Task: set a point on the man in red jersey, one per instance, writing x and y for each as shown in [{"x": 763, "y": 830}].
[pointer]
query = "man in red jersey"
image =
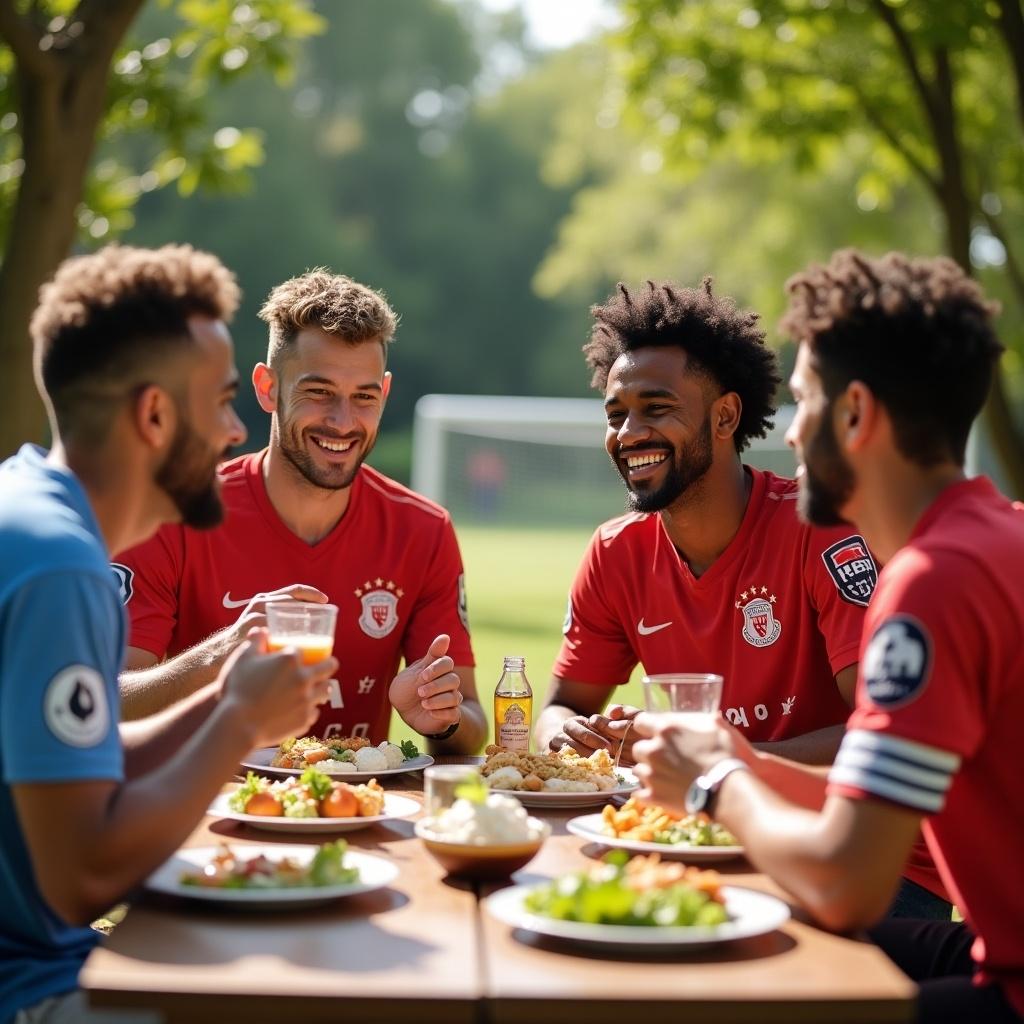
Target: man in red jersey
[
  {"x": 712, "y": 570},
  {"x": 307, "y": 520},
  {"x": 895, "y": 361}
]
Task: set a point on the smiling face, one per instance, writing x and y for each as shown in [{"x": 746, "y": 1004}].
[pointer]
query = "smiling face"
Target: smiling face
[
  {"x": 827, "y": 480},
  {"x": 328, "y": 397},
  {"x": 659, "y": 426}
]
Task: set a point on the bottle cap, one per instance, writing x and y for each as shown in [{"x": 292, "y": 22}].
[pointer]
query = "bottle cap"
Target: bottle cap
[{"x": 514, "y": 663}]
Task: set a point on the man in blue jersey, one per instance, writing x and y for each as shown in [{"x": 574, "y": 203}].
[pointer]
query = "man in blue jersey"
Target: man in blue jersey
[{"x": 135, "y": 364}]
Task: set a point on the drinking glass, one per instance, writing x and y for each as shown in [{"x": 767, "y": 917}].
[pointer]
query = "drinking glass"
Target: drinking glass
[
  {"x": 305, "y": 627},
  {"x": 694, "y": 695},
  {"x": 439, "y": 784}
]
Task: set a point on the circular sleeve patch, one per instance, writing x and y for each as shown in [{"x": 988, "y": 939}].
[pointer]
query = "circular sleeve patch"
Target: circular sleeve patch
[
  {"x": 897, "y": 662},
  {"x": 75, "y": 707},
  {"x": 124, "y": 577}
]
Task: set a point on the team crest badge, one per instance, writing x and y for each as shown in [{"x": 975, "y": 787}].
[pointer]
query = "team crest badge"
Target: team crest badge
[
  {"x": 852, "y": 569},
  {"x": 760, "y": 626},
  {"x": 123, "y": 576},
  {"x": 379, "y": 602},
  {"x": 897, "y": 662}
]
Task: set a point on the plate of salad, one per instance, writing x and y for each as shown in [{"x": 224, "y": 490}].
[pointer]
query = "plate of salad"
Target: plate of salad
[
  {"x": 270, "y": 877},
  {"x": 639, "y": 904},
  {"x": 310, "y": 802}
]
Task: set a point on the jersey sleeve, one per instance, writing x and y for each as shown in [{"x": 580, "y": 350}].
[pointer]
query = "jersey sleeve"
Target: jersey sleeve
[
  {"x": 150, "y": 576},
  {"x": 920, "y": 705},
  {"x": 595, "y": 648},
  {"x": 840, "y": 575},
  {"x": 441, "y": 605},
  {"x": 60, "y": 655}
]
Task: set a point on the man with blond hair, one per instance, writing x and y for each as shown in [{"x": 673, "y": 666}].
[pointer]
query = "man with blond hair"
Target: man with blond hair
[
  {"x": 135, "y": 364},
  {"x": 308, "y": 520}
]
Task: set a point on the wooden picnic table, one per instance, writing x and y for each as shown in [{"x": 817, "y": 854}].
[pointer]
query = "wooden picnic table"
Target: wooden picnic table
[{"x": 426, "y": 950}]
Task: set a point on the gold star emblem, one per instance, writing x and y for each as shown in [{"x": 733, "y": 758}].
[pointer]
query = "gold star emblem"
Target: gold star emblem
[
  {"x": 743, "y": 596},
  {"x": 772, "y": 599},
  {"x": 359, "y": 591},
  {"x": 379, "y": 582},
  {"x": 399, "y": 592},
  {"x": 764, "y": 590},
  {"x": 391, "y": 584},
  {"x": 367, "y": 585},
  {"x": 739, "y": 604}
]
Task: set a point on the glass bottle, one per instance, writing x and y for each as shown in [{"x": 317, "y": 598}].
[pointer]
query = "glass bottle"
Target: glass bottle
[{"x": 513, "y": 707}]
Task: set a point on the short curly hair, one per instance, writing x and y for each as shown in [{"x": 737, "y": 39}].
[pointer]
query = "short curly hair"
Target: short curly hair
[
  {"x": 334, "y": 303},
  {"x": 918, "y": 332},
  {"x": 107, "y": 320},
  {"x": 723, "y": 342}
]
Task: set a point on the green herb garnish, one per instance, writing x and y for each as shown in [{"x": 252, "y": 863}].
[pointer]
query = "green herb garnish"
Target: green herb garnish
[
  {"x": 316, "y": 782},
  {"x": 409, "y": 749}
]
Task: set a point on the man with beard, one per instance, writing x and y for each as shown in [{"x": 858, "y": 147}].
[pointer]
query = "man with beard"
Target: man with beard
[
  {"x": 89, "y": 808},
  {"x": 895, "y": 361},
  {"x": 308, "y": 520}
]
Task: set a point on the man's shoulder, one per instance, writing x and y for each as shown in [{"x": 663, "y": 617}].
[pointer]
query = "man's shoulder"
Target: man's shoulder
[
  {"x": 400, "y": 500},
  {"x": 235, "y": 473},
  {"x": 632, "y": 526}
]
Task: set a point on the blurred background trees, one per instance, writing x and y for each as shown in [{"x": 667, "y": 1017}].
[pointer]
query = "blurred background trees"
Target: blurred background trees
[{"x": 494, "y": 191}]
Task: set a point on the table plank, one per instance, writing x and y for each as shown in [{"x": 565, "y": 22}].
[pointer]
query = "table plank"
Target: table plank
[
  {"x": 411, "y": 949},
  {"x": 799, "y": 973}
]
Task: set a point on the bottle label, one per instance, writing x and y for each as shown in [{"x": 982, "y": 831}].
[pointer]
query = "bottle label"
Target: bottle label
[{"x": 514, "y": 730}]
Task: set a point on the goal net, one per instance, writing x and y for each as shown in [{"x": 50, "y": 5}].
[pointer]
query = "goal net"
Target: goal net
[{"x": 511, "y": 461}]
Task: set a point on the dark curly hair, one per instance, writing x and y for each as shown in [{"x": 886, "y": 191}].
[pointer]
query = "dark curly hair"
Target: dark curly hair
[
  {"x": 107, "y": 320},
  {"x": 723, "y": 342},
  {"x": 918, "y": 332}
]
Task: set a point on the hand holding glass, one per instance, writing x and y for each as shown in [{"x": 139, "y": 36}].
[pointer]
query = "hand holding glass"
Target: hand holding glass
[{"x": 305, "y": 627}]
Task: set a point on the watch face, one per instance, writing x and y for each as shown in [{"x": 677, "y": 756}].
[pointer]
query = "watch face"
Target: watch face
[{"x": 696, "y": 798}]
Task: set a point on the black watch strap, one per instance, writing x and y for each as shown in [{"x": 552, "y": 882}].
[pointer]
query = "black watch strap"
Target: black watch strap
[{"x": 450, "y": 731}]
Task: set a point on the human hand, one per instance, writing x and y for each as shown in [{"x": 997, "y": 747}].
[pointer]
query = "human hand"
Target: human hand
[
  {"x": 275, "y": 695},
  {"x": 254, "y": 615},
  {"x": 670, "y": 754},
  {"x": 587, "y": 733},
  {"x": 426, "y": 692}
]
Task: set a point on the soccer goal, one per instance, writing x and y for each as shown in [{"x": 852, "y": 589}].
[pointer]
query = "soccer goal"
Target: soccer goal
[{"x": 519, "y": 461}]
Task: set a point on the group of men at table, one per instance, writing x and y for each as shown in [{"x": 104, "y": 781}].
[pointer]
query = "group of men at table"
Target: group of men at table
[{"x": 127, "y": 697}]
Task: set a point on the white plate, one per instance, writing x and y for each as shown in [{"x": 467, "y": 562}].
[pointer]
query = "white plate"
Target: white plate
[
  {"x": 590, "y": 827},
  {"x": 259, "y": 762},
  {"x": 550, "y": 799},
  {"x": 394, "y": 807},
  {"x": 374, "y": 873},
  {"x": 751, "y": 913}
]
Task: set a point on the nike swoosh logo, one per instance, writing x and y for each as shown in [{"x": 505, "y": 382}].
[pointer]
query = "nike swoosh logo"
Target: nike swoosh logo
[
  {"x": 228, "y": 603},
  {"x": 648, "y": 630}
]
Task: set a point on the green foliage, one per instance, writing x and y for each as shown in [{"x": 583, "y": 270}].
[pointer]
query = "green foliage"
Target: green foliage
[{"x": 157, "y": 129}]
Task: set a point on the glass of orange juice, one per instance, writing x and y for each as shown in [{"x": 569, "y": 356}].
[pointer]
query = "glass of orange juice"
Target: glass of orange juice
[{"x": 305, "y": 627}]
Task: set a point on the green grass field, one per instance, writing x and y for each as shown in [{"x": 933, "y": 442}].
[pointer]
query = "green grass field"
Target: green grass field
[{"x": 517, "y": 582}]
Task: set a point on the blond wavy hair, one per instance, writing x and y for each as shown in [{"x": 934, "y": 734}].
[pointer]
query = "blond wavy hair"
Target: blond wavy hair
[{"x": 332, "y": 302}]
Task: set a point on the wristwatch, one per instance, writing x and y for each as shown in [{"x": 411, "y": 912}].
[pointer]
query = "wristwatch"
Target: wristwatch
[
  {"x": 703, "y": 790},
  {"x": 450, "y": 731}
]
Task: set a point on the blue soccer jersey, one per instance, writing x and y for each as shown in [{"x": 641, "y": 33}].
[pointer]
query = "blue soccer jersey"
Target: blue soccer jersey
[{"x": 62, "y": 635}]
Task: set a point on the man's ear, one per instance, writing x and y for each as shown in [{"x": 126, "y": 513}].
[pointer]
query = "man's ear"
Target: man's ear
[
  {"x": 265, "y": 382},
  {"x": 858, "y": 413},
  {"x": 725, "y": 415},
  {"x": 386, "y": 385},
  {"x": 155, "y": 416}
]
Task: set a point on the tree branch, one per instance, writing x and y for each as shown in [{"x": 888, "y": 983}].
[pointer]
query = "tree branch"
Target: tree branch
[
  {"x": 875, "y": 117},
  {"x": 1011, "y": 26},
  {"x": 23, "y": 40},
  {"x": 105, "y": 22},
  {"x": 906, "y": 48}
]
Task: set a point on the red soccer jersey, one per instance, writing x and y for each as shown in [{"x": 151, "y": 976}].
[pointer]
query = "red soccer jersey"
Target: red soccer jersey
[
  {"x": 778, "y": 614},
  {"x": 391, "y": 565},
  {"x": 940, "y": 701}
]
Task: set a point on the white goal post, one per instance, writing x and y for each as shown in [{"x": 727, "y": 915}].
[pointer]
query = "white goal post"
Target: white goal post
[{"x": 533, "y": 461}]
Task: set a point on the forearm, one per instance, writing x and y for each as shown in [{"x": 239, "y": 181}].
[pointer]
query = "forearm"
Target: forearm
[
  {"x": 812, "y": 748},
  {"x": 807, "y": 852},
  {"x": 549, "y": 723},
  {"x": 150, "y": 741},
  {"x": 471, "y": 734},
  {"x": 149, "y": 817},
  {"x": 148, "y": 691}
]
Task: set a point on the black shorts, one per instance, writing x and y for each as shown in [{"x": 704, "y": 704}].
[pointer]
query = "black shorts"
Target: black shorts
[{"x": 937, "y": 955}]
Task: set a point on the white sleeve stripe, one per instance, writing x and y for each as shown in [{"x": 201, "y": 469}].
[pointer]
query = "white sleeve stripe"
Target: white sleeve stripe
[
  {"x": 919, "y": 754},
  {"x": 895, "y": 768},
  {"x": 927, "y": 801}
]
